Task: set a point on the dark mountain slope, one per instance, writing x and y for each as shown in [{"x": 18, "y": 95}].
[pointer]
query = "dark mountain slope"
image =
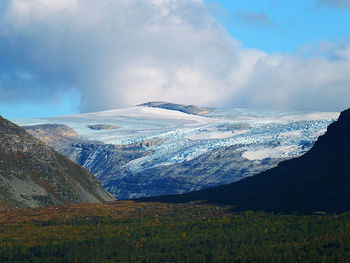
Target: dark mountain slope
[
  {"x": 318, "y": 180},
  {"x": 33, "y": 174}
]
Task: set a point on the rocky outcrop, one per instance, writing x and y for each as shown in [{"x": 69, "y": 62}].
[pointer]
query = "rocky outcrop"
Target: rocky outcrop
[
  {"x": 57, "y": 136},
  {"x": 190, "y": 109},
  {"x": 103, "y": 127},
  {"x": 317, "y": 181},
  {"x": 32, "y": 174},
  {"x": 51, "y": 129}
]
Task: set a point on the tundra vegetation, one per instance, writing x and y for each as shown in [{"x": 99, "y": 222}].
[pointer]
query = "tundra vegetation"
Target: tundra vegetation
[{"x": 128, "y": 231}]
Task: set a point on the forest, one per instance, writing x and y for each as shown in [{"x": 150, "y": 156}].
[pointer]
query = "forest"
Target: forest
[{"x": 128, "y": 231}]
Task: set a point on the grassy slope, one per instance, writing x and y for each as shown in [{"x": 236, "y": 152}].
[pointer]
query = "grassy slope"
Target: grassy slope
[{"x": 154, "y": 232}]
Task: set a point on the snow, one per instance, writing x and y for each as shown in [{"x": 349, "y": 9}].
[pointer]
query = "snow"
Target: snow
[
  {"x": 263, "y": 153},
  {"x": 141, "y": 112},
  {"x": 262, "y": 133},
  {"x": 313, "y": 116},
  {"x": 215, "y": 135},
  {"x": 291, "y": 134}
]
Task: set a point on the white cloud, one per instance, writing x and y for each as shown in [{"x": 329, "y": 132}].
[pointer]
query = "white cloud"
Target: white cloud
[
  {"x": 124, "y": 52},
  {"x": 292, "y": 82}
]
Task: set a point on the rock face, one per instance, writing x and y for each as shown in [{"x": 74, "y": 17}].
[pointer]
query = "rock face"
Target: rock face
[
  {"x": 190, "y": 109},
  {"x": 317, "y": 181},
  {"x": 53, "y": 129},
  {"x": 32, "y": 174},
  {"x": 55, "y": 135},
  {"x": 103, "y": 127}
]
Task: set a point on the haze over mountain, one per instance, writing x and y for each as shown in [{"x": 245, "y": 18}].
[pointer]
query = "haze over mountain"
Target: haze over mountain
[
  {"x": 319, "y": 180},
  {"x": 32, "y": 174}
]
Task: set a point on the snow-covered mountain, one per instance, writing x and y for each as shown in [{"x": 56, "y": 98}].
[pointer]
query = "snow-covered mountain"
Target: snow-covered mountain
[{"x": 144, "y": 151}]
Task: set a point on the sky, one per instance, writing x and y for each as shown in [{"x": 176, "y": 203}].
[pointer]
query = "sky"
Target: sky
[{"x": 62, "y": 57}]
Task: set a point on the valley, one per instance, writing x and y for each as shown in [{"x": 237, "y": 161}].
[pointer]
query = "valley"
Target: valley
[
  {"x": 174, "y": 131},
  {"x": 295, "y": 212},
  {"x": 159, "y": 149}
]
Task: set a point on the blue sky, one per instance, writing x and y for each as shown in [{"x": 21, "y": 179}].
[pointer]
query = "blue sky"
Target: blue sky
[
  {"x": 63, "y": 57},
  {"x": 283, "y": 26}
]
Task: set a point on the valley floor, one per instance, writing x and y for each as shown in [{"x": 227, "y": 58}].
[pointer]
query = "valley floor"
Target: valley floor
[{"x": 128, "y": 231}]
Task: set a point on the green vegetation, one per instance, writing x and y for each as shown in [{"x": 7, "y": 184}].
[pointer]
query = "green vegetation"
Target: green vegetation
[{"x": 156, "y": 232}]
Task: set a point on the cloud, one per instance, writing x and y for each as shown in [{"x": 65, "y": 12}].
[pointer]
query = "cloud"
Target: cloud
[
  {"x": 257, "y": 20},
  {"x": 217, "y": 10},
  {"x": 335, "y": 3},
  {"x": 291, "y": 82},
  {"x": 119, "y": 53}
]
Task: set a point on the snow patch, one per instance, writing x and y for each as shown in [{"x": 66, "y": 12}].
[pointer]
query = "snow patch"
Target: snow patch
[{"x": 263, "y": 153}]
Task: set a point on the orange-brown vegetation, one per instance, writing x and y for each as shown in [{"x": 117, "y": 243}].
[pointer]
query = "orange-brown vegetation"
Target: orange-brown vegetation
[{"x": 128, "y": 231}]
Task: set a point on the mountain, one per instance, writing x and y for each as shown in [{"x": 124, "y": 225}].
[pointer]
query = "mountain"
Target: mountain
[
  {"x": 32, "y": 174},
  {"x": 57, "y": 136},
  {"x": 319, "y": 180},
  {"x": 158, "y": 151},
  {"x": 190, "y": 109}
]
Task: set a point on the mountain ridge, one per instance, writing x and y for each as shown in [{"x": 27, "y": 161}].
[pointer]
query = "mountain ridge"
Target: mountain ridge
[
  {"x": 189, "y": 109},
  {"x": 32, "y": 174}
]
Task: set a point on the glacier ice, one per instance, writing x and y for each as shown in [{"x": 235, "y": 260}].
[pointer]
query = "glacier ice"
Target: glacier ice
[
  {"x": 261, "y": 133},
  {"x": 180, "y": 150}
]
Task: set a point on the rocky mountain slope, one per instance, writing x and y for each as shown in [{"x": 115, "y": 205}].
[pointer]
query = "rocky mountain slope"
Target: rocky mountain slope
[
  {"x": 32, "y": 174},
  {"x": 317, "y": 181}
]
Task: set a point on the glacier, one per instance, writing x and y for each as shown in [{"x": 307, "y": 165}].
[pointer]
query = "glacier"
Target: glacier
[{"x": 180, "y": 140}]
